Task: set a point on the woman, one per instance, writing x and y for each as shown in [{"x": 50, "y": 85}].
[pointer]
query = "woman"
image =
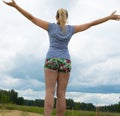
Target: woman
[{"x": 58, "y": 64}]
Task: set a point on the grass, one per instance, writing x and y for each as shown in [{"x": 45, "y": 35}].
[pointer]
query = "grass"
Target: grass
[
  {"x": 90, "y": 113},
  {"x": 21, "y": 108},
  {"x": 41, "y": 110}
]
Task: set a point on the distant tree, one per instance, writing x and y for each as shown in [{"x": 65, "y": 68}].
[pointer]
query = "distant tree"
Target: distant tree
[
  {"x": 83, "y": 106},
  {"x": 90, "y": 107},
  {"x": 13, "y": 96},
  {"x": 111, "y": 108},
  {"x": 4, "y": 97},
  {"x": 20, "y": 101},
  {"x": 29, "y": 102},
  {"x": 0, "y": 96},
  {"x": 77, "y": 106},
  {"x": 70, "y": 103},
  {"x": 39, "y": 102}
]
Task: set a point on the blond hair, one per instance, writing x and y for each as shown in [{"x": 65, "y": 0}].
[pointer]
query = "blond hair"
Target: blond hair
[{"x": 61, "y": 17}]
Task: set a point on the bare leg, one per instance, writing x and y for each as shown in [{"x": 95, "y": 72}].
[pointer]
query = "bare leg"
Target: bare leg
[
  {"x": 62, "y": 82},
  {"x": 50, "y": 80}
]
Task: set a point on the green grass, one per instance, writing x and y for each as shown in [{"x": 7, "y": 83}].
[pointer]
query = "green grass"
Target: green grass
[
  {"x": 90, "y": 113},
  {"x": 22, "y": 108},
  {"x": 41, "y": 110}
]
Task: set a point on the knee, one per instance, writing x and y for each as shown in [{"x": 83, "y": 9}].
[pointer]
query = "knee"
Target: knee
[
  {"x": 49, "y": 96},
  {"x": 50, "y": 92},
  {"x": 60, "y": 94}
]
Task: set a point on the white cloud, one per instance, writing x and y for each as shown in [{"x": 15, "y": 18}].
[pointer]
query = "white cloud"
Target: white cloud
[
  {"x": 27, "y": 87},
  {"x": 93, "y": 74},
  {"x": 5, "y": 60},
  {"x": 96, "y": 99},
  {"x": 8, "y": 82},
  {"x": 31, "y": 94}
]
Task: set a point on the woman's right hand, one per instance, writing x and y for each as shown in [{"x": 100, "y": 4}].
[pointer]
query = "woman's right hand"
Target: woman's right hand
[
  {"x": 12, "y": 3},
  {"x": 114, "y": 16}
]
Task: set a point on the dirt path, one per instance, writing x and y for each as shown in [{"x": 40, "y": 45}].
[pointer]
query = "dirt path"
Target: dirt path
[{"x": 17, "y": 113}]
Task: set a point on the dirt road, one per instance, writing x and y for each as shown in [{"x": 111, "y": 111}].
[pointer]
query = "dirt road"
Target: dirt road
[{"x": 17, "y": 113}]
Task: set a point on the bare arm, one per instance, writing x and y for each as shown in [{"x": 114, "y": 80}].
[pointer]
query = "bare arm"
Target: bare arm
[
  {"x": 83, "y": 27},
  {"x": 36, "y": 21}
]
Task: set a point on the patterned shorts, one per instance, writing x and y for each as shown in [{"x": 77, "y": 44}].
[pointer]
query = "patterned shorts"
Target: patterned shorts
[{"x": 59, "y": 64}]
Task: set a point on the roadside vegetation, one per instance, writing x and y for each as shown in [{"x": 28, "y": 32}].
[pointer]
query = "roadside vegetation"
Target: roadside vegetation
[{"x": 37, "y": 111}]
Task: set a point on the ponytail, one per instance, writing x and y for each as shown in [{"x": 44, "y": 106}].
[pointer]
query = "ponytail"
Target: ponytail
[{"x": 61, "y": 17}]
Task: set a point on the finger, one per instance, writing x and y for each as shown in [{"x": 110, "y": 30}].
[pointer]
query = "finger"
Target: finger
[
  {"x": 3, "y": 1},
  {"x": 114, "y": 12},
  {"x": 119, "y": 17}
]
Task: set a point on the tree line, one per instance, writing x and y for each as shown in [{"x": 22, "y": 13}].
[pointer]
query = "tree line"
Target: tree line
[
  {"x": 111, "y": 108},
  {"x": 11, "y": 96}
]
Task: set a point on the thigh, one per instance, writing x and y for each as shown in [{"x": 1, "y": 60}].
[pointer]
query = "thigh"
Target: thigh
[
  {"x": 62, "y": 83},
  {"x": 50, "y": 80}
]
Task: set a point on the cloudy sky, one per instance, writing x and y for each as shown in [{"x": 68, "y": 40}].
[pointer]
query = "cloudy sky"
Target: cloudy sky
[{"x": 95, "y": 53}]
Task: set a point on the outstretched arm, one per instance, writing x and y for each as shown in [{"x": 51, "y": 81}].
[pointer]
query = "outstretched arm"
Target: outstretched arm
[
  {"x": 83, "y": 27},
  {"x": 36, "y": 21}
]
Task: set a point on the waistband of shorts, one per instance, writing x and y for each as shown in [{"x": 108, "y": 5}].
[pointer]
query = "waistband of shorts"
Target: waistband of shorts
[{"x": 59, "y": 59}]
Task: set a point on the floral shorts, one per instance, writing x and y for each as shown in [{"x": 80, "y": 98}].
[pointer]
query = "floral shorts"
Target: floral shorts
[{"x": 59, "y": 64}]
